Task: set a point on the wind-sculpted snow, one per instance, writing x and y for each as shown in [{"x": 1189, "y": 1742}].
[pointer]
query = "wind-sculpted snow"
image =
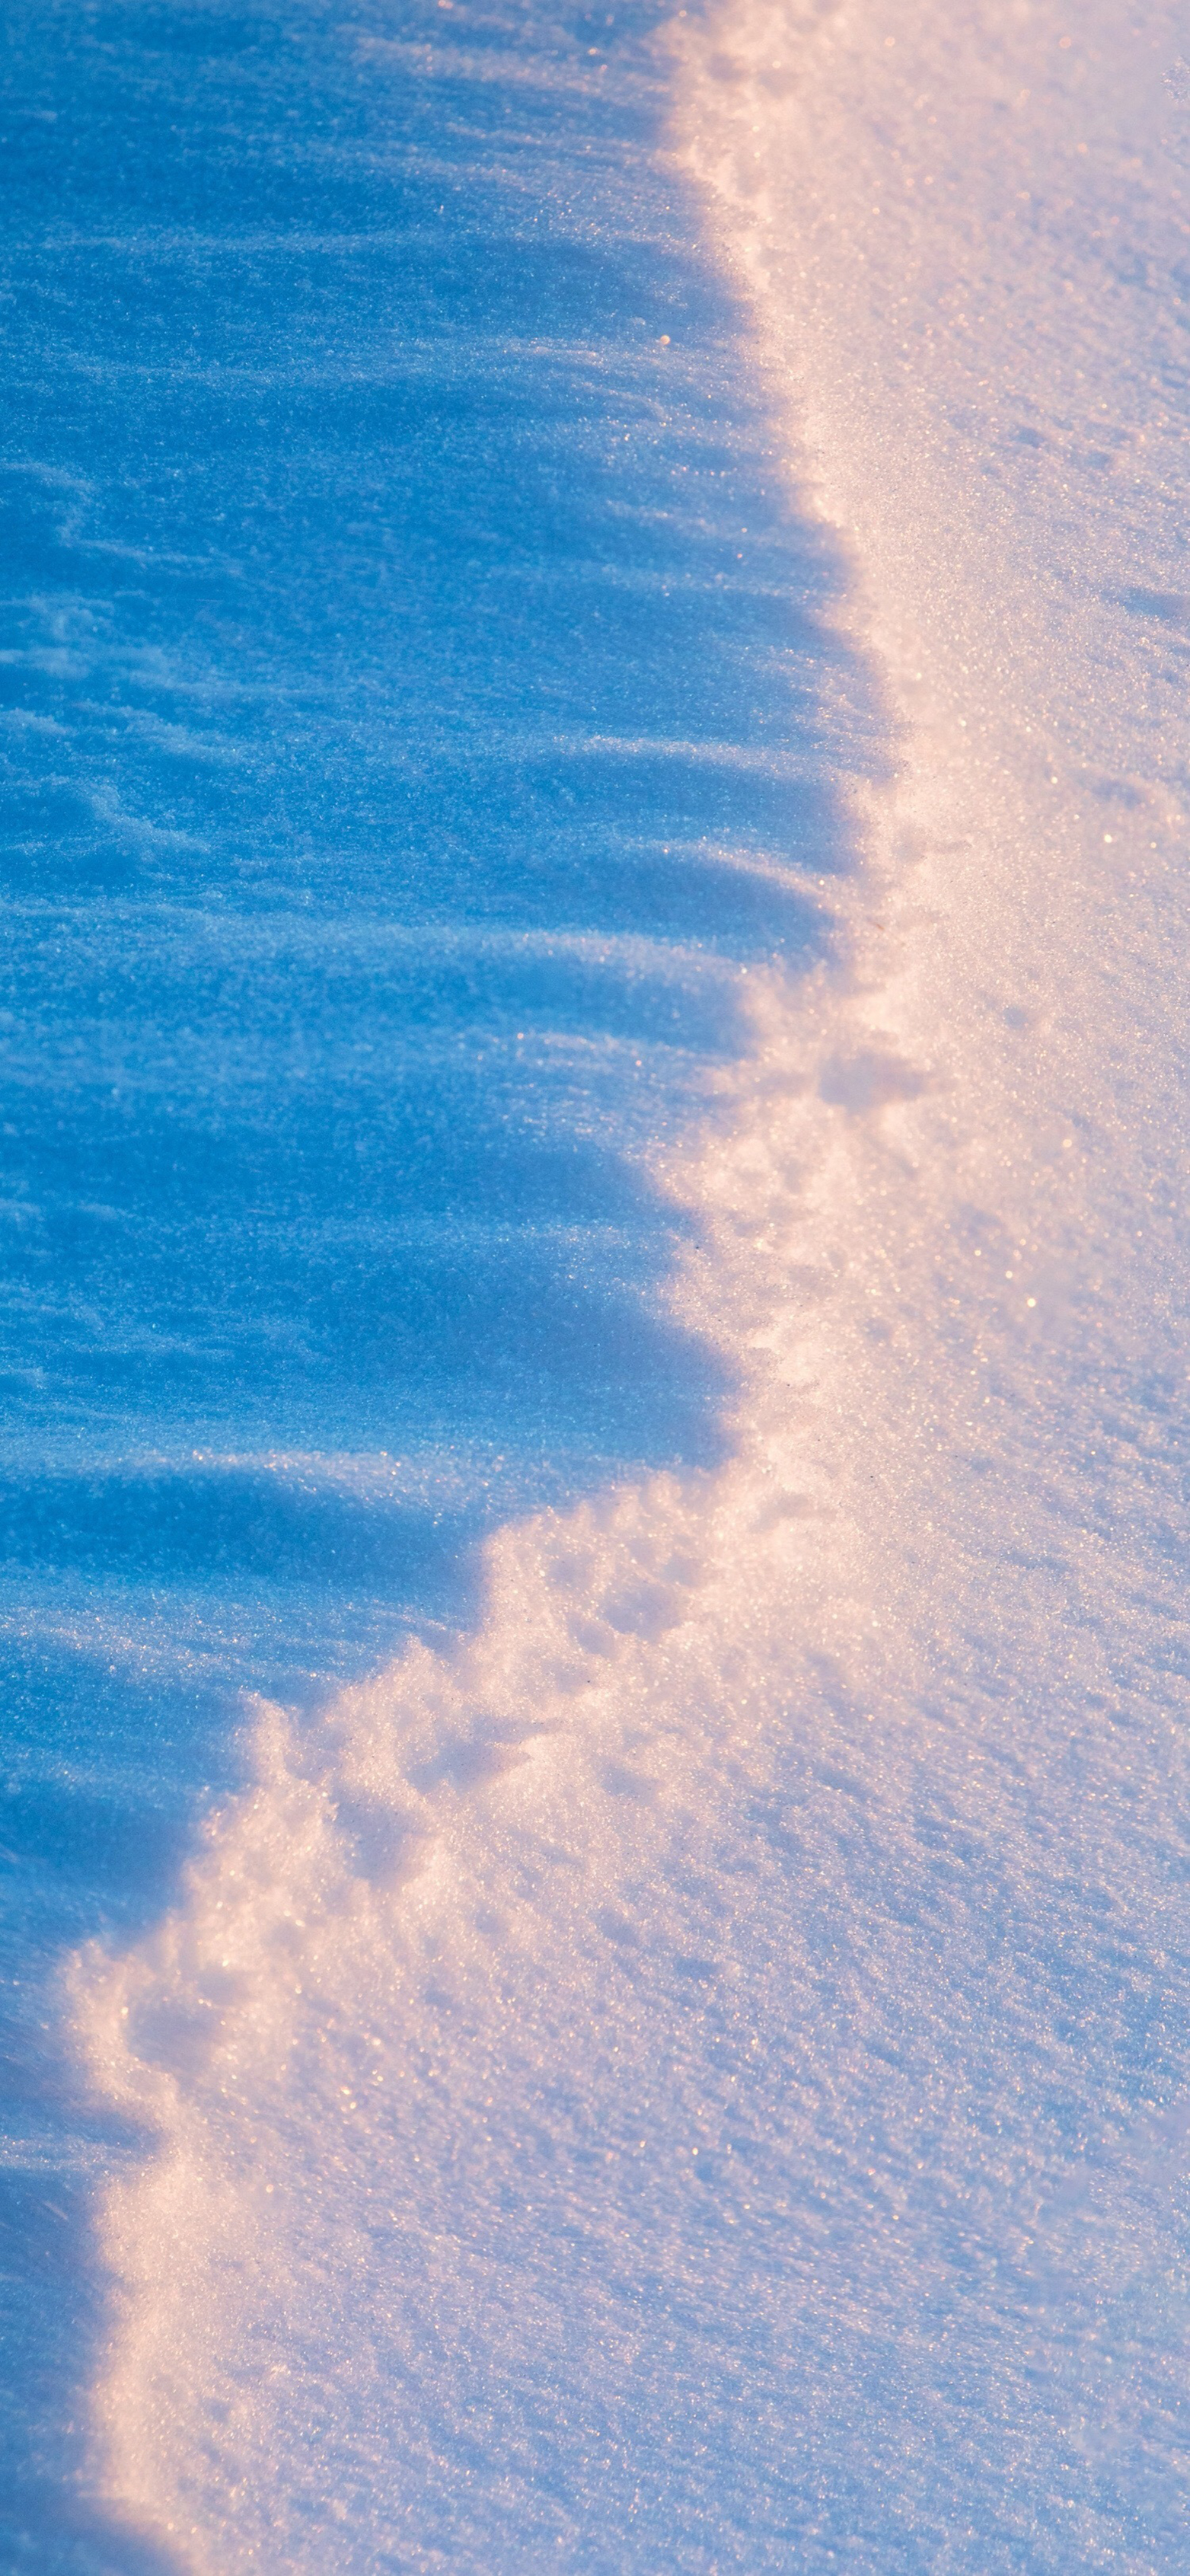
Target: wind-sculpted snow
[
  {"x": 415, "y": 688},
  {"x": 685, "y": 2065},
  {"x": 688, "y": 2073}
]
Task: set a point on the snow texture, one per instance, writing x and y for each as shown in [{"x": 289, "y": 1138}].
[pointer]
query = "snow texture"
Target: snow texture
[{"x": 599, "y": 690}]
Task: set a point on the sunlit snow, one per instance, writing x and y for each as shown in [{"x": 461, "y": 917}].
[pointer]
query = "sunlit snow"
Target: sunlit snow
[{"x": 594, "y": 1477}]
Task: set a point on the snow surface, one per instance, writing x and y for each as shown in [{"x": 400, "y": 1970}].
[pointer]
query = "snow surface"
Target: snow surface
[{"x": 601, "y": 928}]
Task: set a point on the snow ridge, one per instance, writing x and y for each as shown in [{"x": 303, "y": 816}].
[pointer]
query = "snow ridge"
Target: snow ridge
[{"x": 694, "y": 2071}]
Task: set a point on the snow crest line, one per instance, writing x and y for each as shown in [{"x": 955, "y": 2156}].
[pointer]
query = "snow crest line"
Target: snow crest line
[
  {"x": 695, "y": 2070},
  {"x": 426, "y": 1898}
]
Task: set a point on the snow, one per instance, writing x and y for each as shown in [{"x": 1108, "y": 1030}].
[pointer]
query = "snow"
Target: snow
[{"x": 654, "y": 1031}]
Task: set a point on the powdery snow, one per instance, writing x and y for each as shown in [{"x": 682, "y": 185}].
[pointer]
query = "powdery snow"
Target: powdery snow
[{"x": 694, "y": 2074}]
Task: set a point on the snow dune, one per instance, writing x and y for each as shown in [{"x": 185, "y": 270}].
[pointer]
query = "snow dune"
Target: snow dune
[
  {"x": 414, "y": 684},
  {"x": 689, "y": 2069}
]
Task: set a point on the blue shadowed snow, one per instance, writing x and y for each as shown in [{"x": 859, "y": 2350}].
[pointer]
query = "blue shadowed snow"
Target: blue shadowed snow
[{"x": 409, "y": 668}]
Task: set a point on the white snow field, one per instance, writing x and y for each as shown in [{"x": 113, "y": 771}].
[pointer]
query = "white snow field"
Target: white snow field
[{"x": 690, "y": 2069}]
